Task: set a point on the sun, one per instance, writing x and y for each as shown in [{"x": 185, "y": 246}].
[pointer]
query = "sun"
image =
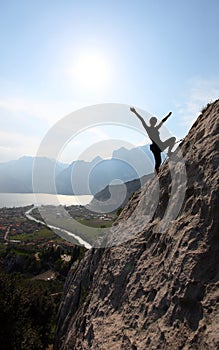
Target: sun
[{"x": 91, "y": 71}]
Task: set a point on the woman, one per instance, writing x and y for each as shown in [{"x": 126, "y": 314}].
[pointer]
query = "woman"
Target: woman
[{"x": 157, "y": 146}]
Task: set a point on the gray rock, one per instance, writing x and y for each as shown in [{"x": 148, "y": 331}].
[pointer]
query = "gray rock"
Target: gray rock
[{"x": 159, "y": 288}]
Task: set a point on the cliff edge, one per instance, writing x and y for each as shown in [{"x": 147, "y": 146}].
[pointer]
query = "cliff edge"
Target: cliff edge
[{"x": 159, "y": 288}]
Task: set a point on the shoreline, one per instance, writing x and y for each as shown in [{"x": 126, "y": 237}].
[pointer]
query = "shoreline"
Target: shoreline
[{"x": 17, "y": 200}]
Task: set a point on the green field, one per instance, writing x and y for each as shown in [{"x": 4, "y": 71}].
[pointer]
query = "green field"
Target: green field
[
  {"x": 95, "y": 222},
  {"x": 87, "y": 229},
  {"x": 44, "y": 233}
]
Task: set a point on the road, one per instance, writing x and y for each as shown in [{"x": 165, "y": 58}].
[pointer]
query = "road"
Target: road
[{"x": 6, "y": 234}]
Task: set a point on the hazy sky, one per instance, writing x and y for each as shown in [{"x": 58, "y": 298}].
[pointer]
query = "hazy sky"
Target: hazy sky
[{"x": 60, "y": 56}]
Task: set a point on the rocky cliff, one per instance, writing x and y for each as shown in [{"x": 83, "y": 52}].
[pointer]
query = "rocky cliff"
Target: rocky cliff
[{"x": 159, "y": 288}]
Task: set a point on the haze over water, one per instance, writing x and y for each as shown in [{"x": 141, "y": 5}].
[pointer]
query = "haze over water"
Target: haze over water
[{"x": 10, "y": 200}]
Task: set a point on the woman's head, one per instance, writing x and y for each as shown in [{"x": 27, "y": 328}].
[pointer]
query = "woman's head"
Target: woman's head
[{"x": 153, "y": 121}]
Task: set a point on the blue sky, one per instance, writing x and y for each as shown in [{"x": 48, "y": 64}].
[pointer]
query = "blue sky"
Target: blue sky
[{"x": 159, "y": 56}]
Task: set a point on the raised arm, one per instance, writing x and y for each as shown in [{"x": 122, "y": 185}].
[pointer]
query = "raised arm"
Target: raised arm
[
  {"x": 163, "y": 120},
  {"x": 132, "y": 109}
]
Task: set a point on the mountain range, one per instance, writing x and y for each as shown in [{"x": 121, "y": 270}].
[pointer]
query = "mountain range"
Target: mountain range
[
  {"x": 16, "y": 175},
  {"x": 116, "y": 196},
  {"x": 80, "y": 177}
]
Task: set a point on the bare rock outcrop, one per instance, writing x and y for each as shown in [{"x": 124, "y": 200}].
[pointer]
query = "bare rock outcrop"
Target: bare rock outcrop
[{"x": 159, "y": 288}]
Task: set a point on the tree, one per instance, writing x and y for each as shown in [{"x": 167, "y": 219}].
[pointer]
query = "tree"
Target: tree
[{"x": 27, "y": 314}]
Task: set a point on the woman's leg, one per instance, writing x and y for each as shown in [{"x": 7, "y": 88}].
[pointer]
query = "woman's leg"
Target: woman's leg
[
  {"x": 169, "y": 143},
  {"x": 157, "y": 157}
]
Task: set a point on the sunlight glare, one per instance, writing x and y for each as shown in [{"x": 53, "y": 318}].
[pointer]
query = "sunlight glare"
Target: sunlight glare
[{"x": 92, "y": 71}]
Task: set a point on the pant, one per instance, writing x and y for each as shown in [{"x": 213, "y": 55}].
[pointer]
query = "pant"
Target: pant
[
  {"x": 157, "y": 151},
  {"x": 157, "y": 155}
]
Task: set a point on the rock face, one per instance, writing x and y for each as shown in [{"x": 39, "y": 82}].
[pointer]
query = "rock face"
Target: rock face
[{"x": 159, "y": 289}]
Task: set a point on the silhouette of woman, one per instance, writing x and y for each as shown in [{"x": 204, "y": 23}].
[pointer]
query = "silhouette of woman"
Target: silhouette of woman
[{"x": 157, "y": 145}]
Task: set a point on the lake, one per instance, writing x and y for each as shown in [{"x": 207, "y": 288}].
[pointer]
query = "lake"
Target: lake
[{"x": 10, "y": 200}]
